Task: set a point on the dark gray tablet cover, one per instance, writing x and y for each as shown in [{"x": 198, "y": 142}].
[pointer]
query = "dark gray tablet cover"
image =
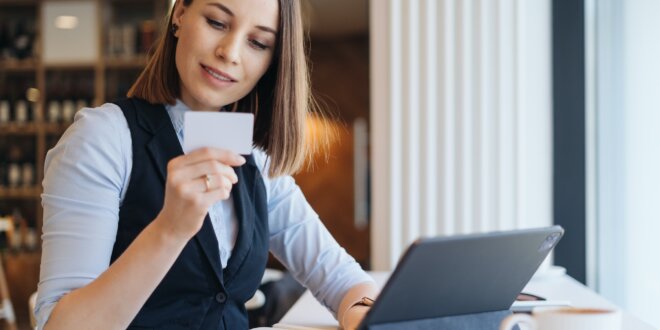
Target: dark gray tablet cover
[{"x": 460, "y": 275}]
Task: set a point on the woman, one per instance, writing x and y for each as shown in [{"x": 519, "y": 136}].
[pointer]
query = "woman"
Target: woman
[{"x": 138, "y": 235}]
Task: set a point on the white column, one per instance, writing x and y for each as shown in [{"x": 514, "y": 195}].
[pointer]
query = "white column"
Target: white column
[{"x": 460, "y": 119}]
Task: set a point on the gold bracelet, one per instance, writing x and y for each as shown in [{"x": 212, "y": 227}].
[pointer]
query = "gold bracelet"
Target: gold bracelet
[{"x": 365, "y": 301}]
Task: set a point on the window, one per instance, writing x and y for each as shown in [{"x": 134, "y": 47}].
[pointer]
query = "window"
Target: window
[{"x": 623, "y": 134}]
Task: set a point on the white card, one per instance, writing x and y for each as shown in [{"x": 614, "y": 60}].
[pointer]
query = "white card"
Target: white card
[{"x": 224, "y": 130}]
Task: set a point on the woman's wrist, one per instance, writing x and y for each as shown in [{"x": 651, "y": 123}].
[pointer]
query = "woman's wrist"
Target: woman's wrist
[
  {"x": 353, "y": 306},
  {"x": 353, "y": 316},
  {"x": 169, "y": 233}
]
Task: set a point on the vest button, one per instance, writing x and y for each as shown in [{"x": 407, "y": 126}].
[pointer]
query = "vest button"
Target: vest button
[{"x": 220, "y": 297}]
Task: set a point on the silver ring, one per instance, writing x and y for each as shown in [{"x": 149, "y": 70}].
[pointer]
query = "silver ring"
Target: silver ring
[{"x": 207, "y": 180}]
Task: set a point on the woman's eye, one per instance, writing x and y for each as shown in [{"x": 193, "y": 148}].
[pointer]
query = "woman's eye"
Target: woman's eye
[
  {"x": 216, "y": 24},
  {"x": 258, "y": 45}
]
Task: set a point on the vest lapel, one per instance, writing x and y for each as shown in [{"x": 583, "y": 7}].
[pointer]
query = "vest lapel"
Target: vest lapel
[
  {"x": 164, "y": 146},
  {"x": 245, "y": 213}
]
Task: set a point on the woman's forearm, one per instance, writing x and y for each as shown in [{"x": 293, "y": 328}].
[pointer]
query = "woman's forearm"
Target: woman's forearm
[{"x": 113, "y": 299}]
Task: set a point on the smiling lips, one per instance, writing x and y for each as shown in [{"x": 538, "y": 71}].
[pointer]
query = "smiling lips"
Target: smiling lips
[{"x": 219, "y": 75}]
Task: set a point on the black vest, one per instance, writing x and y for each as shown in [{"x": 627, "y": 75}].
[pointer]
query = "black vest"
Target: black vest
[{"x": 196, "y": 293}]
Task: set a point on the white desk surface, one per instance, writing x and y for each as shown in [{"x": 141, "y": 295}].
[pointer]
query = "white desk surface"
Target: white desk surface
[{"x": 308, "y": 314}]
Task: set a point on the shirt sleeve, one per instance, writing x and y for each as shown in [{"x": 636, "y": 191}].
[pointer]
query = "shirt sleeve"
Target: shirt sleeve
[
  {"x": 304, "y": 245},
  {"x": 84, "y": 175}
]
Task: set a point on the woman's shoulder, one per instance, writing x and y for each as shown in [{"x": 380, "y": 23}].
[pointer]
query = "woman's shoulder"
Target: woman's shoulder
[
  {"x": 106, "y": 111},
  {"x": 103, "y": 126},
  {"x": 98, "y": 141},
  {"x": 101, "y": 120}
]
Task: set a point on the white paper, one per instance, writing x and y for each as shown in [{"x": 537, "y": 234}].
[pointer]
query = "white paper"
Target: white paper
[{"x": 224, "y": 130}]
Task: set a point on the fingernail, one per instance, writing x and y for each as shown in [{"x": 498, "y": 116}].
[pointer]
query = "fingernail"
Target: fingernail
[{"x": 240, "y": 159}]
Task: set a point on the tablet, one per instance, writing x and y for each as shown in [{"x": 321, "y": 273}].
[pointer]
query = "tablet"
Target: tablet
[{"x": 462, "y": 274}]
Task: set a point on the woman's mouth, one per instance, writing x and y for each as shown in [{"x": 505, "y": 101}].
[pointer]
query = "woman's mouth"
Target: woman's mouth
[{"x": 219, "y": 75}]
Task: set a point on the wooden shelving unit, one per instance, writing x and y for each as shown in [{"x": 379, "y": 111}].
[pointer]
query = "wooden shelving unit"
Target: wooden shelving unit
[
  {"x": 109, "y": 77},
  {"x": 104, "y": 71}
]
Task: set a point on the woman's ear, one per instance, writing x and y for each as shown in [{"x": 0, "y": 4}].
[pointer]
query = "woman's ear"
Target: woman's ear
[{"x": 177, "y": 16}]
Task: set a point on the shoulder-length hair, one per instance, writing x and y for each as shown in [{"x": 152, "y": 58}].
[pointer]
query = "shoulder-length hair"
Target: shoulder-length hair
[{"x": 280, "y": 101}]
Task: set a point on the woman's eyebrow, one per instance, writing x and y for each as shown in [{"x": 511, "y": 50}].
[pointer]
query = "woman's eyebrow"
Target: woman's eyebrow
[
  {"x": 266, "y": 29},
  {"x": 230, "y": 13},
  {"x": 222, "y": 7}
]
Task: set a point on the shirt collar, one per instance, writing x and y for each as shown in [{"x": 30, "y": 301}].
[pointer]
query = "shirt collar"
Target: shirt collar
[{"x": 176, "y": 112}]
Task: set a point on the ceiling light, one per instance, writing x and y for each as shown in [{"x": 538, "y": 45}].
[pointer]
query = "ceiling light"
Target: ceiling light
[{"x": 66, "y": 22}]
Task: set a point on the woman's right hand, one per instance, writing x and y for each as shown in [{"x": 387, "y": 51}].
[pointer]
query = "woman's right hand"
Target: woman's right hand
[{"x": 188, "y": 193}]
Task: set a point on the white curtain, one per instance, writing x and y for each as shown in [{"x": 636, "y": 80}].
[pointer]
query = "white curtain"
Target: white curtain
[{"x": 460, "y": 119}]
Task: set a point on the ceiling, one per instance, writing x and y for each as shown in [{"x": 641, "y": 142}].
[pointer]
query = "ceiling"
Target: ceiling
[{"x": 336, "y": 18}]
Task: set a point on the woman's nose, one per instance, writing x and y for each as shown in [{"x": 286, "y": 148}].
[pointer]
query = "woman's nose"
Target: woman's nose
[{"x": 229, "y": 48}]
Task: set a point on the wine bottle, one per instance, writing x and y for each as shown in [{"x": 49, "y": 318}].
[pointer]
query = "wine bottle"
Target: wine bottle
[
  {"x": 5, "y": 112},
  {"x": 114, "y": 41},
  {"x": 27, "y": 174},
  {"x": 3, "y": 173},
  {"x": 16, "y": 239},
  {"x": 14, "y": 174},
  {"x": 3, "y": 170},
  {"x": 129, "y": 40},
  {"x": 22, "y": 42},
  {"x": 68, "y": 111},
  {"x": 3, "y": 165},
  {"x": 80, "y": 104},
  {"x": 54, "y": 111},
  {"x": 21, "y": 112},
  {"x": 4, "y": 40},
  {"x": 31, "y": 239},
  {"x": 28, "y": 164}
]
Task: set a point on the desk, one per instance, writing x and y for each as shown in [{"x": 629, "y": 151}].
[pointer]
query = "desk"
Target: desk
[{"x": 307, "y": 313}]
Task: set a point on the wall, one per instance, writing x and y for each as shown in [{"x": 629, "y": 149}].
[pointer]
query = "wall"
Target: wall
[{"x": 340, "y": 80}]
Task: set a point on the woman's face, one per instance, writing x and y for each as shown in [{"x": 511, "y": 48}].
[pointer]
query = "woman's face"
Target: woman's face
[{"x": 223, "y": 49}]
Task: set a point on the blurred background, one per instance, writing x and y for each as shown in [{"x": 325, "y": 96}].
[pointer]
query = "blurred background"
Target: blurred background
[
  {"x": 451, "y": 117},
  {"x": 59, "y": 56}
]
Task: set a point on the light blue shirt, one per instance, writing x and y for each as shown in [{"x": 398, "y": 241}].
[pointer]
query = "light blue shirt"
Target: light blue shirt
[{"x": 86, "y": 178}]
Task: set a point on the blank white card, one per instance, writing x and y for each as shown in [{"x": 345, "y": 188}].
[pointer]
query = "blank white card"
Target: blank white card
[{"x": 224, "y": 130}]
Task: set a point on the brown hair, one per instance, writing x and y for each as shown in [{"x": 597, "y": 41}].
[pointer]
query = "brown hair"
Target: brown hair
[{"x": 280, "y": 101}]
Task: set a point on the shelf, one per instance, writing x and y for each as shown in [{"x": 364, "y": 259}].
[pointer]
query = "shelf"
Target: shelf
[
  {"x": 18, "y": 129},
  {"x": 32, "y": 128},
  {"x": 70, "y": 66},
  {"x": 137, "y": 62},
  {"x": 55, "y": 128},
  {"x": 21, "y": 192},
  {"x": 18, "y": 2},
  {"x": 27, "y": 65}
]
